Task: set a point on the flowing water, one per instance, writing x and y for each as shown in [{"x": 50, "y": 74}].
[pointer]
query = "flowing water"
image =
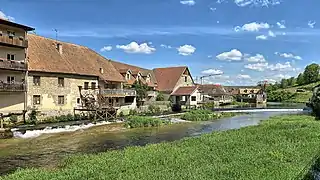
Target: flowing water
[{"x": 46, "y": 148}]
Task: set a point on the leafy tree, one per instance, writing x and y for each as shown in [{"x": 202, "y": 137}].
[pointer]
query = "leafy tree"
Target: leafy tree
[
  {"x": 315, "y": 102},
  {"x": 141, "y": 90},
  {"x": 284, "y": 83},
  {"x": 300, "y": 79},
  {"x": 160, "y": 97},
  {"x": 291, "y": 81},
  {"x": 311, "y": 73}
]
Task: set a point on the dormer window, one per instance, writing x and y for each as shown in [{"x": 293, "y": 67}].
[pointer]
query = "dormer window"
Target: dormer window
[{"x": 128, "y": 76}]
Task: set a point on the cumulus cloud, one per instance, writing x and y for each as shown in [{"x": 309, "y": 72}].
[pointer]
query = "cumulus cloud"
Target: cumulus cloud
[
  {"x": 261, "y": 37},
  {"x": 311, "y": 24},
  {"x": 186, "y": 50},
  {"x": 188, "y": 2},
  {"x": 252, "y": 27},
  {"x": 286, "y": 67},
  {"x": 258, "y": 58},
  {"x": 233, "y": 55},
  {"x": 288, "y": 55},
  {"x": 281, "y": 25},
  {"x": 282, "y": 76},
  {"x": 4, "y": 16},
  {"x": 134, "y": 47},
  {"x": 243, "y": 76},
  {"x": 166, "y": 46},
  {"x": 212, "y": 71},
  {"x": 106, "y": 48},
  {"x": 257, "y": 66}
]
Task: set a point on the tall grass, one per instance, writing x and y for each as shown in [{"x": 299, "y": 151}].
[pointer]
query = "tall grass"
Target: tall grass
[
  {"x": 144, "y": 121},
  {"x": 277, "y": 149},
  {"x": 204, "y": 115}
]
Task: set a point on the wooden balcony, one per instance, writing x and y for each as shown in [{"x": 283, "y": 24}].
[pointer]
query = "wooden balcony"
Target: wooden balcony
[
  {"x": 13, "y": 65},
  {"x": 118, "y": 92},
  {"x": 12, "y": 87},
  {"x": 13, "y": 41}
]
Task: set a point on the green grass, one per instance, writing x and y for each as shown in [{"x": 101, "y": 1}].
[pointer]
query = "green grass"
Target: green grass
[
  {"x": 204, "y": 115},
  {"x": 277, "y": 149},
  {"x": 144, "y": 121},
  {"x": 300, "y": 97}
]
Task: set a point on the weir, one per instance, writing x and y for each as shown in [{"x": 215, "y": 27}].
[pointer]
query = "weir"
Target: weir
[{"x": 259, "y": 110}]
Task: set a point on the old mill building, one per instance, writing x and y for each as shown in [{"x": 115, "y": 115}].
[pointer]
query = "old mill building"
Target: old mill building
[{"x": 54, "y": 76}]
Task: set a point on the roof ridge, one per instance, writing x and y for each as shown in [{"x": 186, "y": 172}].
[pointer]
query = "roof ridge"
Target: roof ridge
[
  {"x": 128, "y": 64},
  {"x": 59, "y": 41},
  {"x": 171, "y": 67}
]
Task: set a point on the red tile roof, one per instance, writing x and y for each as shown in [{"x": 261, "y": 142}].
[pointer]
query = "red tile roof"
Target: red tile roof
[
  {"x": 184, "y": 91},
  {"x": 168, "y": 78},
  {"x": 43, "y": 56}
]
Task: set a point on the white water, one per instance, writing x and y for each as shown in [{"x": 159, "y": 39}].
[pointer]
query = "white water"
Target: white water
[
  {"x": 50, "y": 130},
  {"x": 263, "y": 110}
]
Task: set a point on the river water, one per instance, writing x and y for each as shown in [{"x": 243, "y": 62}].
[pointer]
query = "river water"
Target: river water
[{"x": 48, "y": 149}]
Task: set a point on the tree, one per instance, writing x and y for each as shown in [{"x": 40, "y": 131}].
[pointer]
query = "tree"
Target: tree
[
  {"x": 315, "y": 102},
  {"x": 141, "y": 90},
  {"x": 311, "y": 73},
  {"x": 300, "y": 79},
  {"x": 284, "y": 83},
  {"x": 291, "y": 81}
]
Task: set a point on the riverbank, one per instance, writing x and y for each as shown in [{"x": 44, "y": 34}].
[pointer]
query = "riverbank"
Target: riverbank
[{"x": 276, "y": 149}]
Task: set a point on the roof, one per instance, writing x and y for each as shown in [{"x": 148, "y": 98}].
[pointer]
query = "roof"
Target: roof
[
  {"x": 13, "y": 24},
  {"x": 43, "y": 56},
  {"x": 184, "y": 91},
  {"x": 212, "y": 89},
  {"x": 167, "y": 78},
  {"x": 135, "y": 69}
]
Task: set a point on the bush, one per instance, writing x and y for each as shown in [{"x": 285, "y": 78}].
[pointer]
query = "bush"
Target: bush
[
  {"x": 143, "y": 121},
  {"x": 133, "y": 112},
  {"x": 160, "y": 97},
  {"x": 33, "y": 116},
  {"x": 315, "y": 103},
  {"x": 154, "y": 109},
  {"x": 13, "y": 119},
  {"x": 121, "y": 114},
  {"x": 199, "y": 115}
]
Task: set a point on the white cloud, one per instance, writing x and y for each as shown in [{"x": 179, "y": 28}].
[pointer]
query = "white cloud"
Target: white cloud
[
  {"x": 188, "y": 2},
  {"x": 4, "y": 16},
  {"x": 212, "y": 71},
  {"x": 218, "y": 22},
  {"x": 186, "y": 50},
  {"x": 213, "y": 9},
  {"x": 252, "y": 27},
  {"x": 271, "y": 34},
  {"x": 311, "y": 24},
  {"x": 258, "y": 58},
  {"x": 261, "y": 37},
  {"x": 257, "y": 66},
  {"x": 281, "y": 25},
  {"x": 259, "y": 3},
  {"x": 243, "y": 76},
  {"x": 282, "y": 76},
  {"x": 106, "y": 48},
  {"x": 210, "y": 56},
  {"x": 165, "y": 46},
  {"x": 233, "y": 55},
  {"x": 134, "y": 47},
  {"x": 288, "y": 55}
]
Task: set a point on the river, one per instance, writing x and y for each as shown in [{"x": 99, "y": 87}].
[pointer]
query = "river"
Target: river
[{"x": 48, "y": 150}]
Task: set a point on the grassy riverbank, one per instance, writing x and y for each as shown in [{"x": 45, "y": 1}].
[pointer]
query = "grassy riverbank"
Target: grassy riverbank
[
  {"x": 144, "y": 121},
  {"x": 277, "y": 149},
  {"x": 204, "y": 115}
]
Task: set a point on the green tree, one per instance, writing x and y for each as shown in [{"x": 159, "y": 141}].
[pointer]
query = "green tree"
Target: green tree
[
  {"x": 311, "y": 73},
  {"x": 141, "y": 90},
  {"x": 300, "y": 79},
  {"x": 291, "y": 81},
  {"x": 284, "y": 83},
  {"x": 315, "y": 102}
]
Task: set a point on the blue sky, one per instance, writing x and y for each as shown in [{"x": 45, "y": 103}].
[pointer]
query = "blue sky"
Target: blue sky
[{"x": 245, "y": 40}]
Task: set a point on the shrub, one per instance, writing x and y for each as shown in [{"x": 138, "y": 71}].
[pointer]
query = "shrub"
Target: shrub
[
  {"x": 143, "y": 121},
  {"x": 154, "y": 109},
  {"x": 33, "y": 116},
  {"x": 199, "y": 115},
  {"x": 133, "y": 112},
  {"x": 121, "y": 114},
  {"x": 13, "y": 119},
  {"x": 160, "y": 97},
  {"x": 315, "y": 103}
]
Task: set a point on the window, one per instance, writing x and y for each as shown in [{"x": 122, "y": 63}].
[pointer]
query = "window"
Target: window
[
  {"x": 93, "y": 85},
  {"x": 11, "y": 34},
  {"x": 183, "y": 98},
  {"x": 128, "y": 76},
  {"x": 61, "y": 82},
  {"x": 252, "y": 91},
  {"x": 245, "y": 91},
  {"x": 36, "y": 80},
  {"x": 60, "y": 100},
  {"x": 10, "y": 57},
  {"x": 36, "y": 99},
  {"x": 193, "y": 98},
  {"x": 10, "y": 79},
  {"x": 78, "y": 100},
  {"x": 186, "y": 79},
  {"x": 86, "y": 85}
]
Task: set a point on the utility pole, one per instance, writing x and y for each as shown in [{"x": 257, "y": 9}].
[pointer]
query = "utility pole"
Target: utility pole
[{"x": 210, "y": 75}]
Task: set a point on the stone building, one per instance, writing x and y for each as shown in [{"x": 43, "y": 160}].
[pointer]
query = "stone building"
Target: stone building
[{"x": 13, "y": 66}]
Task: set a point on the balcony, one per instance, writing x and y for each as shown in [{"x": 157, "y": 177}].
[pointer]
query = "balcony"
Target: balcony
[
  {"x": 13, "y": 41},
  {"x": 12, "y": 87},
  {"x": 118, "y": 92},
  {"x": 12, "y": 65}
]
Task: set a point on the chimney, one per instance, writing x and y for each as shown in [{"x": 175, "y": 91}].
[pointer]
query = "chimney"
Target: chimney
[
  {"x": 59, "y": 48},
  {"x": 101, "y": 70}
]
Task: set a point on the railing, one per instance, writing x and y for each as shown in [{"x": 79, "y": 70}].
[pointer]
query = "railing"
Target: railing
[
  {"x": 152, "y": 93},
  {"x": 6, "y": 87},
  {"x": 14, "y": 41},
  {"x": 118, "y": 92},
  {"x": 16, "y": 65}
]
